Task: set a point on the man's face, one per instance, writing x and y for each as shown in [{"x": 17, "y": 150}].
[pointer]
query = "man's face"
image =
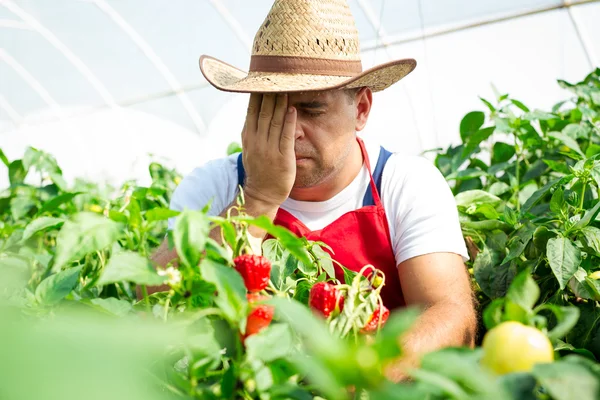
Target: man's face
[{"x": 325, "y": 134}]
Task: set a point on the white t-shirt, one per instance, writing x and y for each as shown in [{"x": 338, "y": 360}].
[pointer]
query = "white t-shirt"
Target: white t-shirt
[{"x": 420, "y": 208}]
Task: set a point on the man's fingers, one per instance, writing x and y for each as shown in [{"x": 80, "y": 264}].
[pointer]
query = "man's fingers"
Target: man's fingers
[
  {"x": 244, "y": 135},
  {"x": 265, "y": 116},
  {"x": 252, "y": 112},
  {"x": 286, "y": 143},
  {"x": 278, "y": 119}
]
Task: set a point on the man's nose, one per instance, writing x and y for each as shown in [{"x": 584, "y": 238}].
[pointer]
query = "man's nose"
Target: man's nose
[{"x": 299, "y": 132}]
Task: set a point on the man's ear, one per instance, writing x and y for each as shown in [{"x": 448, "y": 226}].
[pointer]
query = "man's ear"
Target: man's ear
[{"x": 363, "y": 102}]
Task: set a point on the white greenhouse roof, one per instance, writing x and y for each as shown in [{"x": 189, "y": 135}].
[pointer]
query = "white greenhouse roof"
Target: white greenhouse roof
[{"x": 119, "y": 78}]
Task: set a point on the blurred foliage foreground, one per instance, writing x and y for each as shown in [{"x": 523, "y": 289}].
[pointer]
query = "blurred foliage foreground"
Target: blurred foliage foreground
[{"x": 234, "y": 324}]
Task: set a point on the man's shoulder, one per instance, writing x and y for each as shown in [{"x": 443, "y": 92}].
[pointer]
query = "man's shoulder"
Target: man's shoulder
[
  {"x": 408, "y": 166},
  {"x": 229, "y": 162},
  {"x": 208, "y": 179}
]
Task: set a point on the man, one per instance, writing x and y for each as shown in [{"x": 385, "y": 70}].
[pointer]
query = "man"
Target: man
[{"x": 304, "y": 167}]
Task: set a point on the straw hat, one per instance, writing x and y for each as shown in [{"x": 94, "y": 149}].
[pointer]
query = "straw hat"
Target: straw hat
[{"x": 305, "y": 45}]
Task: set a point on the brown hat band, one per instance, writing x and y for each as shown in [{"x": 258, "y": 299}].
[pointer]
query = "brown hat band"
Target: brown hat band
[{"x": 305, "y": 65}]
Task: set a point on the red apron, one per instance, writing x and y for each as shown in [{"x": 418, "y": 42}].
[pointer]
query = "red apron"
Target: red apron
[{"x": 358, "y": 237}]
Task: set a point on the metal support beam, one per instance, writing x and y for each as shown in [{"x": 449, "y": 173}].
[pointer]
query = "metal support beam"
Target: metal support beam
[
  {"x": 433, "y": 32},
  {"x": 233, "y": 23},
  {"x": 31, "y": 81},
  {"x": 155, "y": 60},
  {"x": 587, "y": 47},
  {"x": 10, "y": 111},
  {"x": 60, "y": 46}
]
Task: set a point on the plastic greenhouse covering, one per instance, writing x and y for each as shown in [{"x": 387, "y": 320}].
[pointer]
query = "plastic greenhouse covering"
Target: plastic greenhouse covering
[{"x": 104, "y": 84}]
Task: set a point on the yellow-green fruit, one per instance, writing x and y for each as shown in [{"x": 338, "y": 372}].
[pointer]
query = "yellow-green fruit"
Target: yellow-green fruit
[
  {"x": 595, "y": 275},
  {"x": 514, "y": 347}
]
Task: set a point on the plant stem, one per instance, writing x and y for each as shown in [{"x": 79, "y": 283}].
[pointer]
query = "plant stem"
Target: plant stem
[
  {"x": 146, "y": 298},
  {"x": 166, "y": 314},
  {"x": 582, "y": 195},
  {"x": 517, "y": 174}
]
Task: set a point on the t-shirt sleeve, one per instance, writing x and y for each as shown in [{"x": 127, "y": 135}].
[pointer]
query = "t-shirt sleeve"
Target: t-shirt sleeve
[
  {"x": 422, "y": 210},
  {"x": 215, "y": 182}
]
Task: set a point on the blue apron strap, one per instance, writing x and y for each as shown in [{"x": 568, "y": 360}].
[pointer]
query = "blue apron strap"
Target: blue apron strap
[
  {"x": 240, "y": 171},
  {"x": 384, "y": 155}
]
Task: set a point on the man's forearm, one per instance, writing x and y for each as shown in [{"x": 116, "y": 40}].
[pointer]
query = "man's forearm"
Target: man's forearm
[{"x": 441, "y": 325}]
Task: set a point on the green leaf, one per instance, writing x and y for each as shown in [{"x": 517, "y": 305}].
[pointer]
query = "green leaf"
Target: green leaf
[
  {"x": 15, "y": 270},
  {"x": 40, "y": 224},
  {"x": 324, "y": 260},
  {"x": 282, "y": 270},
  {"x": 588, "y": 217},
  {"x": 466, "y": 174},
  {"x": 135, "y": 214},
  {"x": 580, "y": 286},
  {"x": 498, "y": 188},
  {"x": 270, "y": 344},
  {"x": 502, "y": 152},
  {"x": 448, "y": 389},
  {"x": 231, "y": 291},
  {"x": 131, "y": 267},
  {"x": 591, "y": 235},
  {"x": 577, "y": 131},
  {"x": 234, "y": 147},
  {"x": 564, "y": 259},
  {"x": 567, "y": 141},
  {"x": 558, "y": 166},
  {"x": 518, "y": 242},
  {"x": 539, "y": 115},
  {"x": 484, "y": 268},
  {"x": 21, "y": 205},
  {"x": 523, "y": 290},
  {"x": 228, "y": 382},
  {"x": 493, "y": 313},
  {"x": 488, "y": 225},
  {"x": 522, "y": 106},
  {"x": 557, "y": 202},
  {"x": 44, "y": 162},
  {"x": 462, "y": 367},
  {"x": 16, "y": 172},
  {"x": 114, "y": 306},
  {"x": 57, "y": 201},
  {"x": 399, "y": 322},
  {"x": 470, "y": 124},
  {"x": 500, "y": 167},
  {"x": 57, "y": 286},
  {"x": 566, "y": 318},
  {"x": 510, "y": 216},
  {"x": 302, "y": 292},
  {"x": 190, "y": 232},
  {"x": 160, "y": 214},
  {"x": 535, "y": 197},
  {"x": 118, "y": 216},
  {"x": 519, "y": 386},
  {"x": 321, "y": 377},
  {"x": 535, "y": 171},
  {"x": 592, "y": 150},
  {"x": 476, "y": 197},
  {"x": 290, "y": 242},
  {"x": 83, "y": 234},
  {"x": 476, "y": 138},
  {"x": 314, "y": 331},
  {"x": 568, "y": 381},
  {"x": 4, "y": 159}
]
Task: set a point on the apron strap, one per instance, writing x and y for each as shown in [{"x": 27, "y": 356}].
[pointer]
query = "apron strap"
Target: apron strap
[
  {"x": 240, "y": 171},
  {"x": 369, "y": 200}
]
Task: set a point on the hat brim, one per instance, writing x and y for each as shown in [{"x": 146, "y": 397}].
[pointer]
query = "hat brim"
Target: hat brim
[{"x": 231, "y": 79}]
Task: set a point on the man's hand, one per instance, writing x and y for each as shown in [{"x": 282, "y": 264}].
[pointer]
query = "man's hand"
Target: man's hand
[{"x": 268, "y": 143}]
